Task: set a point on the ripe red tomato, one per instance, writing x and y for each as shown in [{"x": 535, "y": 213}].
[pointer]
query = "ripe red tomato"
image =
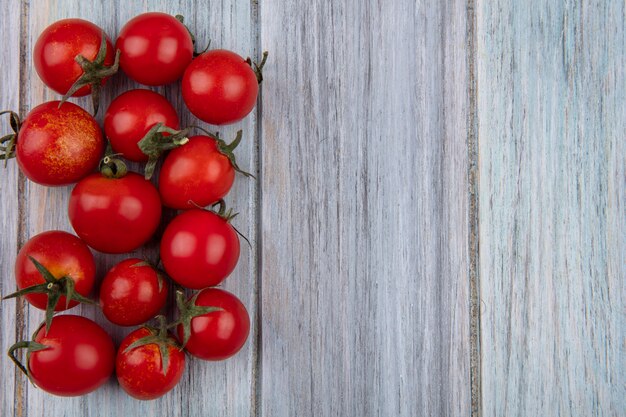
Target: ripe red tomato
[
  {"x": 220, "y": 87},
  {"x": 59, "y": 44},
  {"x": 132, "y": 293},
  {"x": 155, "y": 48},
  {"x": 140, "y": 370},
  {"x": 195, "y": 172},
  {"x": 115, "y": 215},
  {"x": 220, "y": 334},
  {"x": 131, "y": 115},
  {"x": 58, "y": 146},
  {"x": 199, "y": 249},
  {"x": 76, "y": 358},
  {"x": 63, "y": 255}
]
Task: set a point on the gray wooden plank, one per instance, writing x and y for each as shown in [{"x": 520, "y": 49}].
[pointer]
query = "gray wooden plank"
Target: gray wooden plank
[
  {"x": 220, "y": 389},
  {"x": 552, "y": 186},
  {"x": 364, "y": 275}
]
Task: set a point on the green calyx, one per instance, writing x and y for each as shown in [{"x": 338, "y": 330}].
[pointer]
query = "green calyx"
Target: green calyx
[
  {"x": 93, "y": 74},
  {"x": 160, "y": 337},
  {"x": 227, "y": 149},
  {"x": 258, "y": 67},
  {"x": 112, "y": 167},
  {"x": 181, "y": 19},
  {"x": 187, "y": 310},
  {"x": 54, "y": 288},
  {"x": 7, "y": 142},
  {"x": 30, "y": 347},
  {"x": 155, "y": 142}
]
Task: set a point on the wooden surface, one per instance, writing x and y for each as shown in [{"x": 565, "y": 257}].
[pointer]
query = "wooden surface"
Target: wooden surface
[{"x": 438, "y": 221}]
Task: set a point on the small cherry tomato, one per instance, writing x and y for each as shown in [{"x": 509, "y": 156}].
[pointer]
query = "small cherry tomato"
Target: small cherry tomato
[
  {"x": 220, "y": 87},
  {"x": 140, "y": 370},
  {"x": 57, "y": 47},
  {"x": 65, "y": 257},
  {"x": 75, "y": 357},
  {"x": 115, "y": 215},
  {"x": 219, "y": 334},
  {"x": 195, "y": 174},
  {"x": 155, "y": 48},
  {"x": 131, "y": 115},
  {"x": 132, "y": 293},
  {"x": 58, "y": 145},
  {"x": 199, "y": 249}
]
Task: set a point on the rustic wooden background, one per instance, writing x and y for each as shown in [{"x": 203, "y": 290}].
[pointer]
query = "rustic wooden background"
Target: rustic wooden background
[{"x": 438, "y": 223}]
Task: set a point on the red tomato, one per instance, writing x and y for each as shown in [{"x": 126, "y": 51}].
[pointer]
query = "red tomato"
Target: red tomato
[
  {"x": 195, "y": 172},
  {"x": 63, "y": 255},
  {"x": 115, "y": 215},
  {"x": 140, "y": 370},
  {"x": 59, "y": 44},
  {"x": 199, "y": 249},
  {"x": 220, "y": 87},
  {"x": 79, "y": 357},
  {"x": 131, "y": 115},
  {"x": 220, "y": 334},
  {"x": 132, "y": 293},
  {"x": 155, "y": 48},
  {"x": 58, "y": 146}
]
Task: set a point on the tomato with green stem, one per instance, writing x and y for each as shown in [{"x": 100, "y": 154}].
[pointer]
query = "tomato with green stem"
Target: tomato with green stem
[{"x": 74, "y": 357}]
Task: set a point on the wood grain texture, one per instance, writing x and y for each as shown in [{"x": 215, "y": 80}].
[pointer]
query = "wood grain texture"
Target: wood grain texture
[
  {"x": 551, "y": 110},
  {"x": 364, "y": 293},
  {"x": 216, "y": 389}
]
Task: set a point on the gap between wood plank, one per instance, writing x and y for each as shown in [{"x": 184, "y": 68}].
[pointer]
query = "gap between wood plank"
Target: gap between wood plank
[{"x": 473, "y": 235}]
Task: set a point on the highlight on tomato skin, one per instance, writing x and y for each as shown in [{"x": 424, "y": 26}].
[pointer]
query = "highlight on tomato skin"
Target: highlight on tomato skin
[{"x": 58, "y": 146}]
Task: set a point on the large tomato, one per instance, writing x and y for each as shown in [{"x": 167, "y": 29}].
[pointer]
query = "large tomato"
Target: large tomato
[
  {"x": 219, "y": 334},
  {"x": 155, "y": 48},
  {"x": 199, "y": 249},
  {"x": 64, "y": 256},
  {"x": 195, "y": 174},
  {"x": 57, "y": 47},
  {"x": 220, "y": 87},
  {"x": 58, "y": 145},
  {"x": 75, "y": 357},
  {"x": 140, "y": 370},
  {"x": 132, "y": 293},
  {"x": 131, "y": 115},
  {"x": 115, "y": 215}
]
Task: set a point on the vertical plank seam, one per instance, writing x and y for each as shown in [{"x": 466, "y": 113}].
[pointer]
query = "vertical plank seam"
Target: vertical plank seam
[
  {"x": 256, "y": 391},
  {"x": 473, "y": 197},
  {"x": 20, "y": 381}
]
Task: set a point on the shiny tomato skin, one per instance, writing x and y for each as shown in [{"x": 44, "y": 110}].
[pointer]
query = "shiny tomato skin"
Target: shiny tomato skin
[
  {"x": 115, "y": 215},
  {"x": 155, "y": 48},
  {"x": 58, "y": 146},
  {"x": 130, "y": 294},
  {"x": 196, "y": 172},
  {"x": 219, "y": 87},
  {"x": 199, "y": 249},
  {"x": 80, "y": 357},
  {"x": 221, "y": 334},
  {"x": 131, "y": 115},
  {"x": 140, "y": 372},
  {"x": 62, "y": 254},
  {"x": 59, "y": 44}
]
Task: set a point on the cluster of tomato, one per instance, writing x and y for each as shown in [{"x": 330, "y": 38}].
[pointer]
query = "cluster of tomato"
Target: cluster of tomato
[{"x": 114, "y": 210}]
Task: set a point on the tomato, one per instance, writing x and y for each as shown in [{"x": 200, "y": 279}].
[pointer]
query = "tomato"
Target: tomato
[
  {"x": 155, "y": 48},
  {"x": 132, "y": 293},
  {"x": 76, "y": 356},
  {"x": 140, "y": 370},
  {"x": 58, "y": 146},
  {"x": 220, "y": 87},
  {"x": 219, "y": 334},
  {"x": 196, "y": 173},
  {"x": 63, "y": 255},
  {"x": 57, "y": 47},
  {"x": 115, "y": 215},
  {"x": 131, "y": 115},
  {"x": 199, "y": 249}
]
